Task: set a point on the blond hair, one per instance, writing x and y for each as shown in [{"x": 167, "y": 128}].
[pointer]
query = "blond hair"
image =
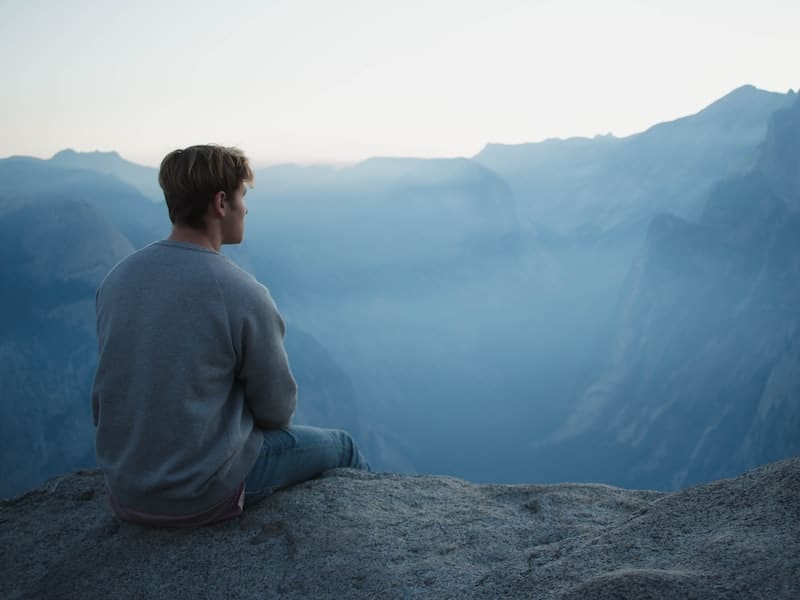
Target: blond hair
[{"x": 191, "y": 177}]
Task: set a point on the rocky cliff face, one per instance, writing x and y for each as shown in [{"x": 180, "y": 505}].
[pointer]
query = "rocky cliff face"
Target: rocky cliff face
[
  {"x": 703, "y": 379},
  {"x": 361, "y": 535}
]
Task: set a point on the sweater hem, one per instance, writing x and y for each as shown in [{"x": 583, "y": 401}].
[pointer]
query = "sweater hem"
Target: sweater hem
[{"x": 148, "y": 502}]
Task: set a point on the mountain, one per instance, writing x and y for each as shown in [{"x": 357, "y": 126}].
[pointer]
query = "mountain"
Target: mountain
[
  {"x": 448, "y": 232},
  {"x": 35, "y": 183},
  {"x": 704, "y": 375},
  {"x": 144, "y": 179},
  {"x": 429, "y": 314},
  {"x": 54, "y": 256},
  {"x": 62, "y": 230},
  {"x": 412, "y": 213},
  {"x": 582, "y": 184}
]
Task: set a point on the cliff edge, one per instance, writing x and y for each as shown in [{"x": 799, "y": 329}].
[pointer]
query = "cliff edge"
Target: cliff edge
[{"x": 352, "y": 534}]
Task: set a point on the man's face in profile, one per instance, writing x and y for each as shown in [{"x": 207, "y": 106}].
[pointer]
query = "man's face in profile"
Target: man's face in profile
[{"x": 233, "y": 223}]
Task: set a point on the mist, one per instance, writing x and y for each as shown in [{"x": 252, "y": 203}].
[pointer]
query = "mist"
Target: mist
[{"x": 620, "y": 310}]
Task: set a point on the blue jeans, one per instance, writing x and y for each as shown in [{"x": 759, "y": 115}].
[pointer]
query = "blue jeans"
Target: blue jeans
[{"x": 295, "y": 454}]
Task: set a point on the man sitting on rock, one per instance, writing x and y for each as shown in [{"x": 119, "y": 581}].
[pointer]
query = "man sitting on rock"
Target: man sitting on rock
[{"x": 193, "y": 395}]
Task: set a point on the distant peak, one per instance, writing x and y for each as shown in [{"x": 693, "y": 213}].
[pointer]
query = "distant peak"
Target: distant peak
[
  {"x": 71, "y": 153},
  {"x": 743, "y": 95},
  {"x": 741, "y": 92}
]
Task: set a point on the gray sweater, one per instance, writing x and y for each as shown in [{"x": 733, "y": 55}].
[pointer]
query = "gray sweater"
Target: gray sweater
[{"x": 191, "y": 366}]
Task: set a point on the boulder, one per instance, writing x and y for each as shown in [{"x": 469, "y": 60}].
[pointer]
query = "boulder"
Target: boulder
[{"x": 351, "y": 534}]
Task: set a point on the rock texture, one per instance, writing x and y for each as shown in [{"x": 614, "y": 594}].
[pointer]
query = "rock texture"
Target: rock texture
[{"x": 351, "y": 534}]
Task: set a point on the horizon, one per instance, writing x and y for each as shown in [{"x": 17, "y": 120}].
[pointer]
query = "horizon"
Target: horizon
[
  {"x": 306, "y": 82},
  {"x": 261, "y": 163}
]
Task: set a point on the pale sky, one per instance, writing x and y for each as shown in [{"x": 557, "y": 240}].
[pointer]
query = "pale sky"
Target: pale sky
[{"x": 342, "y": 80}]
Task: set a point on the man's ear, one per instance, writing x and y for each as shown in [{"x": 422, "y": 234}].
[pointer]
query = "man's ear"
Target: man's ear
[{"x": 219, "y": 204}]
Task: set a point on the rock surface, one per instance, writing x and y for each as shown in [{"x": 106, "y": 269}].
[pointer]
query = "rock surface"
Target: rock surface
[{"x": 352, "y": 534}]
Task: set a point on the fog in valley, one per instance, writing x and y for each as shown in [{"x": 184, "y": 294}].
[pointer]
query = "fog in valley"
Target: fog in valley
[
  {"x": 465, "y": 334},
  {"x": 620, "y": 310}
]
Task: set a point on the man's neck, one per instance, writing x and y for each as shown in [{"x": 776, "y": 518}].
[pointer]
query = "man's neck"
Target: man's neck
[{"x": 207, "y": 239}]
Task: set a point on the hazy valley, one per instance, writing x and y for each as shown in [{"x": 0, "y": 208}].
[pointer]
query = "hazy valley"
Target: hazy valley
[{"x": 621, "y": 310}]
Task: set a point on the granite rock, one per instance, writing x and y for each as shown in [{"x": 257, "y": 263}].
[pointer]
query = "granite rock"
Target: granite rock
[{"x": 350, "y": 534}]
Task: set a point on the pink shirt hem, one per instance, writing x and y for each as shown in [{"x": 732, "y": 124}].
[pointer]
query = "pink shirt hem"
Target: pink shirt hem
[{"x": 227, "y": 509}]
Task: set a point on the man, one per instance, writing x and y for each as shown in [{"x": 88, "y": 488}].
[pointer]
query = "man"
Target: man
[{"x": 193, "y": 394}]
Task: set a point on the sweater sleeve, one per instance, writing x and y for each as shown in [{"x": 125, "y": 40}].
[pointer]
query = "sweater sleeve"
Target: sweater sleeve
[{"x": 269, "y": 387}]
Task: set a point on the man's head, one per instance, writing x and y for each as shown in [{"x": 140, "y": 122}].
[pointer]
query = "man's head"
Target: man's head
[{"x": 196, "y": 179}]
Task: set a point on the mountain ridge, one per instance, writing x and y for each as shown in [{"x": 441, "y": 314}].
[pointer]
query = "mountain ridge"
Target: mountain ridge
[
  {"x": 708, "y": 328},
  {"x": 605, "y": 182},
  {"x": 431, "y": 293}
]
